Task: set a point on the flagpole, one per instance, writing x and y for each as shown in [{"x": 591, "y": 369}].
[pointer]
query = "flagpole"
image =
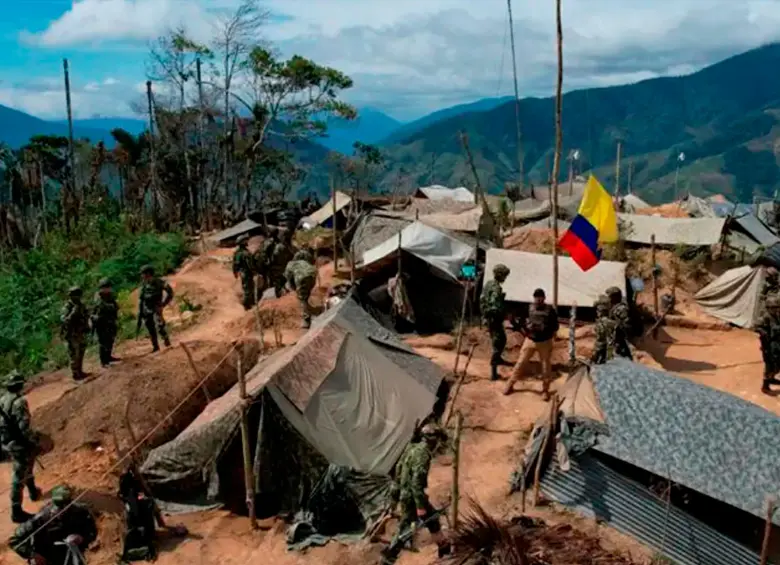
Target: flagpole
[{"x": 558, "y": 149}]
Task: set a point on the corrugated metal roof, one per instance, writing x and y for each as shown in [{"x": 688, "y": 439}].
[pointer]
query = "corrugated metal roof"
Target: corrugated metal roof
[
  {"x": 598, "y": 491},
  {"x": 671, "y": 231}
]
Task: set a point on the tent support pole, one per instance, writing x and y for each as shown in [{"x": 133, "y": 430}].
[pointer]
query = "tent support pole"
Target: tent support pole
[
  {"x": 655, "y": 282},
  {"x": 249, "y": 477},
  {"x": 461, "y": 327},
  {"x": 335, "y": 229},
  {"x": 770, "y": 510},
  {"x": 558, "y": 149},
  {"x": 458, "y": 385},
  {"x": 456, "y": 470},
  {"x": 547, "y": 440}
]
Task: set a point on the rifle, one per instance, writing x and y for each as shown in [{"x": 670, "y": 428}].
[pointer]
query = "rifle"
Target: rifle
[
  {"x": 17, "y": 434},
  {"x": 407, "y": 536}
]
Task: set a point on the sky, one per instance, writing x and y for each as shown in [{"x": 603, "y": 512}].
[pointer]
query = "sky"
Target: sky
[{"x": 407, "y": 57}]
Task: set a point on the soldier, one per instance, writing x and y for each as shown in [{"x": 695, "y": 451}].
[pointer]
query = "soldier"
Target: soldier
[
  {"x": 262, "y": 256},
  {"x": 301, "y": 277},
  {"x": 74, "y": 330},
  {"x": 412, "y": 477},
  {"x": 619, "y": 313},
  {"x": 539, "y": 328},
  {"x": 105, "y": 313},
  {"x": 604, "y": 348},
  {"x": 768, "y": 329},
  {"x": 278, "y": 258},
  {"x": 151, "y": 303},
  {"x": 61, "y": 526},
  {"x": 242, "y": 266},
  {"x": 771, "y": 285},
  {"x": 494, "y": 312},
  {"x": 19, "y": 441}
]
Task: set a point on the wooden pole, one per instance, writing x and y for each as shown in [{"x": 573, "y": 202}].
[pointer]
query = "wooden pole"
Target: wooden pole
[
  {"x": 153, "y": 172},
  {"x": 770, "y": 510},
  {"x": 43, "y": 195},
  {"x": 547, "y": 439},
  {"x": 571, "y": 176},
  {"x": 520, "y": 163},
  {"x": 522, "y": 487},
  {"x": 71, "y": 149},
  {"x": 201, "y": 145},
  {"x": 558, "y": 148},
  {"x": 617, "y": 171},
  {"x": 335, "y": 229},
  {"x": 572, "y": 336},
  {"x": 456, "y": 471},
  {"x": 249, "y": 476},
  {"x": 630, "y": 188},
  {"x": 464, "y": 139},
  {"x": 461, "y": 328},
  {"x": 655, "y": 280},
  {"x": 196, "y": 371},
  {"x": 458, "y": 386}
]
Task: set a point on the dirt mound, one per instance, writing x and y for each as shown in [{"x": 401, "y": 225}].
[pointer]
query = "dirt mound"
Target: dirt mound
[
  {"x": 671, "y": 210},
  {"x": 153, "y": 385}
]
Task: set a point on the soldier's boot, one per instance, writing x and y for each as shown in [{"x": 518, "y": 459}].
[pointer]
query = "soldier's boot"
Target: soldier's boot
[
  {"x": 155, "y": 343},
  {"x": 493, "y": 372},
  {"x": 444, "y": 549},
  {"x": 34, "y": 492},
  {"x": 18, "y": 515},
  {"x": 166, "y": 341}
]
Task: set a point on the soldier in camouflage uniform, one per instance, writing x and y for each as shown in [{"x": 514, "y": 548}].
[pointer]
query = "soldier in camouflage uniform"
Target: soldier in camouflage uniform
[
  {"x": 768, "y": 329},
  {"x": 75, "y": 330},
  {"x": 242, "y": 266},
  {"x": 491, "y": 303},
  {"x": 60, "y": 520},
  {"x": 279, "y": 257},
  {"x": 20, "y": 442},
  {"x": 412, "y": 478},
  {"x": 301, "y": 277},
  {"x": 105, "y": 314},
  {"x": 619, "y": 313},
  {"x": 606, "y": 328},
  {"x": 261, "y": 256},
  {"x": 151, "y": 303},
  {"x": 771, "y": 286}
]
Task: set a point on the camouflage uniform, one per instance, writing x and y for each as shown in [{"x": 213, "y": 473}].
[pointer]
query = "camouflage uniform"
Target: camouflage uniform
[
  {"x": 771, "y": 286},
  {"x": 301, "y": 276},
  {"x": 491, "y": 303},
  {"x": 278, "y": 258},
  {"x": 74, "y": 330},
  {"x": 260, "y": 259},
  {"x": 606, "y": 328},
  {"x": 55, "y": 522},
  {"x": 768, "y": 329},
  {"x": 105, "y": 314},
  {"x": 620, "y": 314},
  {"x": 150, "y": 307},
  {"x": 19, "y": 441},
  {"x": 242, "y": 265}
]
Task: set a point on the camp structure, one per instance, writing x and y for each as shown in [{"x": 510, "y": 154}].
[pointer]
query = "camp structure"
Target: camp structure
[
  {"x": 329, "y": 417},
  {"x": 229, "y": 236},
  {"x": 735, "y": 296},
  {"x": 630, "y": 203},
  {"x": 430, "y": 260},
  {"x": 679, "y": 466},
  {"x": 324, "y": 216},
  {"x": 438, "y": 192},
  {"x": 529, "y": 271},
  {"x": 696, "y": 232}
]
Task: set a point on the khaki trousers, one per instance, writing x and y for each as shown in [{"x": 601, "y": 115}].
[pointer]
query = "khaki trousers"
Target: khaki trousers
[{"x": 544, "y": 350}]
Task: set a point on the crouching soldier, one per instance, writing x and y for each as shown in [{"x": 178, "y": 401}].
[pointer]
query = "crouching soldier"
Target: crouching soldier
[
  {"x": 301, "y": 277},
  {"x": 61, "y": 529}
]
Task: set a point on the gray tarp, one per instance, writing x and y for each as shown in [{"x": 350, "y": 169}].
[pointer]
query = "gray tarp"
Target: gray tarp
[
  {"x": 734, "y": 296},
  {"x": 671, "y": 231},
  {"x": 232, "y": 232},
  {"x": 757, "y": 230},
  {"x": 439, "y": 192}
]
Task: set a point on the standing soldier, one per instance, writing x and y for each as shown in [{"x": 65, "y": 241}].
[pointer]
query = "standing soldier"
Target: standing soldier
[
  {"x": 279, "y": 257},
  {"x": 262, "y": 257},
  {"x": 75, "y": 329},
  {"x": 150, "y": 306},
  {"x": 771, "y": 286},
  {"x": 105, "y": 314},
  {"x": 494, "y": 312},
  {"x": 412, "y": 476},
  {"x": 301, "y": 277},
  {"x": 619, "y": 313},
  {"x": 19, "y": 441},
  {"x": 606, "y": 328},
  {"x": 242, "y": 266},
  {"x": 768, "y": 329}
]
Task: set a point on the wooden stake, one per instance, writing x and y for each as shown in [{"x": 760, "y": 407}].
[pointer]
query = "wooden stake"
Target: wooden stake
[
  {"x": 572, "y": 337},
  {"x": 655, "y": 282},
  {"x": 770, "y": 510},
  {"x": 249, "y": 476},
  {"x": 456, "y": 471},
  {"x": 196, "y": 371},
  {"x": 458, "y": 385},
  {"x": 522, "y": 486},
  {"x": 558, "y": 149},
  {"x": 547, "y": 439},
  {"x": 461, "y": 328}
]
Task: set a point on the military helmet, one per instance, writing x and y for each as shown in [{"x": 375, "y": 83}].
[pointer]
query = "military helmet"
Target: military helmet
[
  {"x": 75, "y": 291},
  {"x": 303, "y": 255},
  {"x": 614, "y": 291},
  {"x": 242, "y": 239},
  {"x": 773, "y": 301},
  {"x": 104, "y": 283},
  {"x": 14, "y": 379},
  {"x": 61, "y": 495},
  {"x": 500, "y": 271},
  {"x": 147, "y": 270},
  {"x": 430, "y": 430},
  {"x": 602, "y": 305}
]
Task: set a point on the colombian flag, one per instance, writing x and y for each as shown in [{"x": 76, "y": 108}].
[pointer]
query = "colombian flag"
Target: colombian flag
[{"x": 596, "y": 222}]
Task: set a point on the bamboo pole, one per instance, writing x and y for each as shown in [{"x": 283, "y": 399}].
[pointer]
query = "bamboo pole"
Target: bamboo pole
[
  {"x": 572, "y": 336},
  {"x": 456, "y": 471},
  {"x": 547, "y": 439},
  {"x": 558, "y": 148},
  {"x": 462, "y": 325},
  {"x": 249, "y": 477},
  {"x": 770, "y": 510},
  {"x": 655, "y": 281},
  {"x": 201, "y": 142},
  {"x": 195, "y": 370},
  {"x": 152, "y": 174},
  {"x": 458, "y": 386}
]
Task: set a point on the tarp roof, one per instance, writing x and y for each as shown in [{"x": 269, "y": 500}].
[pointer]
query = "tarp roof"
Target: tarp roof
[
  {"x": 529, "y": 271},
  {"x": 375, "y": 228},
  {"x": 709, "y": 441},
  {"x": 671, "y": 231},
  {"x": 232, "y": 232},
  {"x": 324, "y": 214},
  {"x": 546, "y": 223},
  {"x": 734, "y": 296},
  {"x": 757, "y": 230},
  {"x": 439, "y": 192},
  {"x": 433, "y": 246},
  {"x": 632, "y": 202}
]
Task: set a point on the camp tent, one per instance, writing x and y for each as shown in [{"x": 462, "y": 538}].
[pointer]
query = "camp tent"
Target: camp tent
[
  {"x": 346, "y": 396},
  {"x": 529, "y": 271},
  {"x": 323, "y": 216},
  {"x": 640, "y": 229},
  {"x": 734, "y": 296},
  {"x": 625, "y": 426},
  {"x": 438, "y": 192}
]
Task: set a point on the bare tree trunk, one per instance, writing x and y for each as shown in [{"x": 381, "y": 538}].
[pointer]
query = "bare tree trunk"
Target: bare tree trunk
[
  {"x": 68, "y": 199},
  {"x": 558, "y": 149},
  {"x": 201, "y": 145},
  {"x": 520, "y": 159},
  {"x": 152, "y": 164}
]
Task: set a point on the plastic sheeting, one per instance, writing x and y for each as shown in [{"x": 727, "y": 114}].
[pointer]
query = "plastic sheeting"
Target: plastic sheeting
[
  {"x": 439, "y": 192},
  {"x": 240, "y": 228},
  {"x": 734, "y": 296},
  {"x": 529, "y": 271},
  {"x": 325, "y": 213},
  {"x": 757, "y": 230},
  {"x": 434, "y": 247},
  {"x": 671, "y": 231}
]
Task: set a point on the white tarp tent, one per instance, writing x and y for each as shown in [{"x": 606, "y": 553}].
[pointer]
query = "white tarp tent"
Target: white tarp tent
[
  {"x": 324, "y": 214},
  {"x": 734, "y": 296},
  {"x": 434, "y": 247},
  {"x": 439, "y": 192},
  {"x": 529, "y": 271},
  {"x": 670, "y": 231}
]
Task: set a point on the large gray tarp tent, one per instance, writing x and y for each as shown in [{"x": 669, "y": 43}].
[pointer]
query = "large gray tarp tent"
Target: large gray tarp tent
[
  {"x": 734, "y": 296},
  {"x": 347, "y": 395}
]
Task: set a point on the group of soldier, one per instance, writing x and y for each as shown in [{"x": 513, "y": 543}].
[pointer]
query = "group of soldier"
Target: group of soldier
[
  {"x": 274, "y": 265},
  {"x": 539, "y": 327},
  {"x": 78, "y": 322}
]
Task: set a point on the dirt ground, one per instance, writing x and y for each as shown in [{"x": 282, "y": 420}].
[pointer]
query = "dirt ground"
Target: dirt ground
[{"x": 80, "y": 419}]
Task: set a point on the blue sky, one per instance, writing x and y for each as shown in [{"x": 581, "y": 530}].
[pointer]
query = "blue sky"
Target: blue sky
[{"x": 408, "y": 57}]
